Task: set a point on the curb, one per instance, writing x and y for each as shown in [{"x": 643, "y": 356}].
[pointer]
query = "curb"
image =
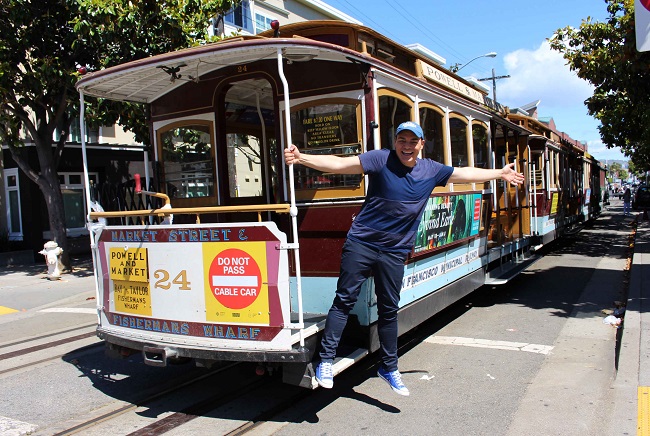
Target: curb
[{"x": 625, "y": 419}]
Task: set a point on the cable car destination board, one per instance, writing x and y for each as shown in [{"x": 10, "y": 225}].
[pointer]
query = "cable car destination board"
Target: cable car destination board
[{"x": 217, "y": 281}]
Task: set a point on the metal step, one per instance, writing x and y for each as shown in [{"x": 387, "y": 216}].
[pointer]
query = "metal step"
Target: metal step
[
  {"x": 343, "y": 363},
  {"x": 507, "y": 272}
]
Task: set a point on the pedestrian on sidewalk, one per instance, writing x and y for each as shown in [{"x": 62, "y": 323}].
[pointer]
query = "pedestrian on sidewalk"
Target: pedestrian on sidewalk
[
  {"x": 627, "y": 197},
  {"x": 383, "y": 234}
]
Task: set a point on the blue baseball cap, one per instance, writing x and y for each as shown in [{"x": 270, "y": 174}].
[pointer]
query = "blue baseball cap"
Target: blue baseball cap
[{"x": 411, "y": 126}]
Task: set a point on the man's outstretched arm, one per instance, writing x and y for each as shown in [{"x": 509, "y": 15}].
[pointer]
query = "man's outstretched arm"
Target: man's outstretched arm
[
  {"x": 478, "y": 175},
  {"x": 323, "y": 162}
]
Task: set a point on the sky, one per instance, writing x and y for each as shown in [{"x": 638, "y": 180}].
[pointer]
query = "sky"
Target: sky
[{"x": 517, "y": 31}]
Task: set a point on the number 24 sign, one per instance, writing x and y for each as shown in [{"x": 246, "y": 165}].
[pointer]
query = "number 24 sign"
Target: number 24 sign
[{"x": 162, "y": 280}]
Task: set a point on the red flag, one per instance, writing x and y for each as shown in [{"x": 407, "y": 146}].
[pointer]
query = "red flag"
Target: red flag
[{"x": 642, "y": 24}]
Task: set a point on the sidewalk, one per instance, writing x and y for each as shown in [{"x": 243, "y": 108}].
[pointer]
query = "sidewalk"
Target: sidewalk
[
  {"x": 24, "y": 287},
  {"x": 30, "y": 304},
  {"x": 631, "y": 388}
]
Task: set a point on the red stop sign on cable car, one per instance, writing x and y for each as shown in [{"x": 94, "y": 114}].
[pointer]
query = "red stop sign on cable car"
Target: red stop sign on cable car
[{"x": 235, "y": 278}]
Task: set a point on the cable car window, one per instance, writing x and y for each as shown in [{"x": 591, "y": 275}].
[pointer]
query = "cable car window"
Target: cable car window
[
  {"x": 431, "y": 122},
  {"x": 392, "y": 113},
  {"x": 554, "y": 163},
  {"x": 480, "y": 140},
  {"x": 326, "y": 129},
  {"x": 251, "y": 149},
  {"x": 244, "y": 165},
  {"x": 188, "y": 163},
  {"x": 458, "y": 130},
  {"x": 538, "y": 175}
]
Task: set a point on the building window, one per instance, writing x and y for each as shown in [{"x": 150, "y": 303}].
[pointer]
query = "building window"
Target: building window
[
  {"x": 12, "y": 194},
  {"x": 74, "y": 201},
  {"x": 241, "y": 17},
  {"x": 262, "y": 23},
  {"x": 74, "y": 132}
]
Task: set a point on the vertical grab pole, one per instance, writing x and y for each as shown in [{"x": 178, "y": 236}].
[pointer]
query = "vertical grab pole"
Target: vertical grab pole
[
  {"x": 91, "y": 233},
  {"x": 264, "y": 144},
  {"x": 533, "y": 212},
  {"x": 547, "y": 170},
  {"x": 493, "y": 186},
  {"x": 530, "y": 196},
  {"x": 82, "y": 130},
  {"x": 292, "y": 193}
]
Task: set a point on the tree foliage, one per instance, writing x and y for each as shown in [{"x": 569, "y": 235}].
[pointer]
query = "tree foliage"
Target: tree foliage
[
  {"x": 604, "y": 53},
  {"x": 127, "y": 30},
  {"x": 44, "y": 47},
  {"x": 638, "y": 173}
]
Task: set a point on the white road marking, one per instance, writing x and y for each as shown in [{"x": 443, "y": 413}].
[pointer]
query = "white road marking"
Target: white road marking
[
  {"x": 486, "y": 343},
  {"x": 13, "y": 427},
  {"x": 427, "y": 377},
  {"x": 90, "y": 311}
]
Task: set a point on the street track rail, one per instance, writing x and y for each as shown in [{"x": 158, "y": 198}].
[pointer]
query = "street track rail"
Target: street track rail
[
  {"x": 47, "y": 345},
  {"x": 49, "y": 335},
  {"x": 165, "y": 424}
]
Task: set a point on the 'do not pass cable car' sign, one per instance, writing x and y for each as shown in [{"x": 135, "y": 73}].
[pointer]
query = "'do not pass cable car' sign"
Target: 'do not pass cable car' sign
[{"x": 236, "y": 285}]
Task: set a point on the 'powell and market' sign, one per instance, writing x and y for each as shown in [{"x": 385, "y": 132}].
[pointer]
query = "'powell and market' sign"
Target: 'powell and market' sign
[{"x": 448, "y": 81}]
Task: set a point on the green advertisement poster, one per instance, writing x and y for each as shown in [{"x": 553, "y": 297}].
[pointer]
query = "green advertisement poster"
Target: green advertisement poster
[{"x": 448, "y": 219}]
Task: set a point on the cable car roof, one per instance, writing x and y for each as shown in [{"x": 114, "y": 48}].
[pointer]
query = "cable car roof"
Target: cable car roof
[{"x": 148, "y": 79}]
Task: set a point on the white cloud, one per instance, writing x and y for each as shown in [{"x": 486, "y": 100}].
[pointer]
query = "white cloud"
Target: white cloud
[
  {"x": 542, "y": 75},
  {"x": 602, "y": 153}
]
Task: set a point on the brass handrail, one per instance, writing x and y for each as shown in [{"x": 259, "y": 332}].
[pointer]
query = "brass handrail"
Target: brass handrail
[{"x": 279, "y": 208}]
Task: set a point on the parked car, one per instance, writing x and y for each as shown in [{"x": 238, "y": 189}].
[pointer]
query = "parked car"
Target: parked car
[{"x": 641, "y": 198}]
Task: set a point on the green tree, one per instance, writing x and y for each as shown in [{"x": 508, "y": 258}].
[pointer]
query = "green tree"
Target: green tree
[
  {"x": 604, "y": 53},
  {"x": 623, "y": 174},
  {"x": 614, "y": 171},
  {"x": 44, "y": 48},
  {"x": 640, "y": 174}
]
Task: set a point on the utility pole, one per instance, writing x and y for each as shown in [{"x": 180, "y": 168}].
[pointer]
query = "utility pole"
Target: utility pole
[{"x": 494, "y": 78}]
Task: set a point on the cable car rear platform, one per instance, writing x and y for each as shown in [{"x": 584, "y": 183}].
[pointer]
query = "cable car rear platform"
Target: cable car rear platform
[{"x": 160, "y": 353}]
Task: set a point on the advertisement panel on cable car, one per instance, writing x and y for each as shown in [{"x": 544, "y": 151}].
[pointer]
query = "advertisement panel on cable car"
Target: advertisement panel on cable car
[{"x": 448, "y": 219}]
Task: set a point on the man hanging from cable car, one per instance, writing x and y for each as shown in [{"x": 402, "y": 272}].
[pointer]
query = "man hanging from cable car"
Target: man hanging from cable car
[{"x": 383, "y": 234}]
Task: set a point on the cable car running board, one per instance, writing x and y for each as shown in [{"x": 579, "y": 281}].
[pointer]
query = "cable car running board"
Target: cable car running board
[
  {"x": 343, "y": 363},
  {"x": 504, "y": 274}
]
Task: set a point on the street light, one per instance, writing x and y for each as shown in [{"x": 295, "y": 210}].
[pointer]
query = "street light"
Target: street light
[{"x": 457, "y": 67}]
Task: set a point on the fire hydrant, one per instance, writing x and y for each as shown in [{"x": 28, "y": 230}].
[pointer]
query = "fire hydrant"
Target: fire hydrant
[{"x": 52, "y": 253}]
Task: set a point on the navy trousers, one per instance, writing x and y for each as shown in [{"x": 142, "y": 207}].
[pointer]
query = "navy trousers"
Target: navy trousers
[{"x": 358, "y": 262}]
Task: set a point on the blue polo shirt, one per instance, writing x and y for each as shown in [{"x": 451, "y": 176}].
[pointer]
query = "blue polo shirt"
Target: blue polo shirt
[{"x": 397, "y": 196}]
